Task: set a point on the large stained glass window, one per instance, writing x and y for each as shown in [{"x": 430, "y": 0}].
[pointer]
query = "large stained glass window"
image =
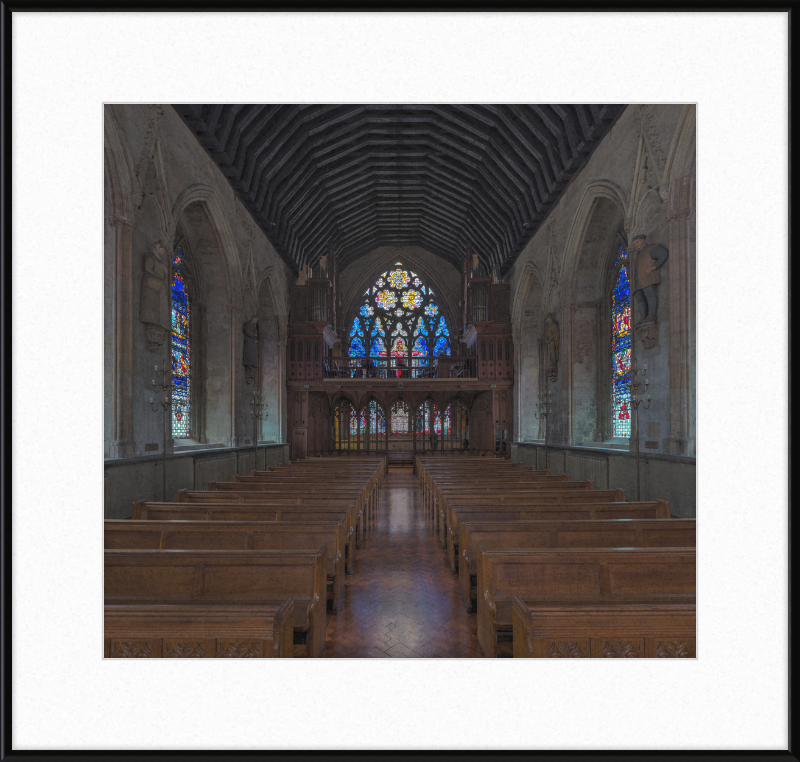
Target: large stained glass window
[
  {"x": 181, "y": 350},
  {"x": 621, "y": 350},
  {"x": 399, "y": 319}
]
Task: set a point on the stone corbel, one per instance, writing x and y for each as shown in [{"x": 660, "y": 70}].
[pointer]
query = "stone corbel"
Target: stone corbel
[
  {"x": 648, "y": 335},
  {"x": 155, "y": 336}
]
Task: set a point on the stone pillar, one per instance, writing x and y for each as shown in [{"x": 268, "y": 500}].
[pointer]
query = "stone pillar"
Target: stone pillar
[
  {"x": 681, "y": 314},
  {"x": 123, "y": 445},
  {"x": 236, "y": 372}
]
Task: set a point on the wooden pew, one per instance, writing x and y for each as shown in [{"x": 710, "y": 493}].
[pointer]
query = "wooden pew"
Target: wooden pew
[
  {"x": 565, "y": 629},
  {"x": 225, "y": 576},
  {"x": 603, "y": 533},
  {"x": 512, "y": 501},
  {"x": 307, "y": 481},
  {"x": 355, "y": 524},
  {"x": 191, "y": 630},
  {"x": 491, "y": 484},
  {"x": 295, "y": 514},
  {"x": 579, "y": 574},
  {"x": 239, "y": 535}
]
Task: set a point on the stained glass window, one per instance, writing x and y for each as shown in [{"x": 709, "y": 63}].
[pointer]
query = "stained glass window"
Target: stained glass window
[
  {"x": 386, "y": 299},
  {"x": 181, "y": 351},
  {"x": 401, "y": 295},
  {"x": 400, "y": 418},
  {"x": 621, "y": 350}
]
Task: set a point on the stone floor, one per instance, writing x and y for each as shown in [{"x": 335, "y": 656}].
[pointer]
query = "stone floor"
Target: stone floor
[{"x": 402, "y": 598}]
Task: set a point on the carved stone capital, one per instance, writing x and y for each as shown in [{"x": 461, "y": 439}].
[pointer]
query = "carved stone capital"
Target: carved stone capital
[
  {"x": 552, "y": 372},
  {"x": 118, "y": 219},
  {"x": 155, "y": 337},
  {"x": 682, "y": 213},
  {"x": 648, "y": 335},
  {"x": 663, "y": 193},
  {"x": 250, "y": 374}
]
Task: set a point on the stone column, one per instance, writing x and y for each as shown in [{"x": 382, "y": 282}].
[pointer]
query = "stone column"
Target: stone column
[
  {"x": 681, "y": 313},
  {"x": 236, "y": 375},
  {"x": 123, "y": 445}
]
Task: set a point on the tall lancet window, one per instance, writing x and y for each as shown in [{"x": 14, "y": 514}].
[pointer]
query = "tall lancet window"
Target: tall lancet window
[
  {"x": 181, "y": 350},
  {"x": 621, "y": 349}
]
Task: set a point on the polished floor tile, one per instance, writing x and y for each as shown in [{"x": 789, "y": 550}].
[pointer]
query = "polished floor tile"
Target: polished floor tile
[{"x": 402, "y": 600}]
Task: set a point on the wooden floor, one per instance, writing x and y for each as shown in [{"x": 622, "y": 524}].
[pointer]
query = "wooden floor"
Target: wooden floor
[{"x": 402, "y": 600}]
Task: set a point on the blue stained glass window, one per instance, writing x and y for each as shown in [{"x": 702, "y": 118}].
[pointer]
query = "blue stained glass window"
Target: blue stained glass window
[
  {"x": 621, "y": 350},
  {"x": 411, "y": 310},
  {"x": 420, "y": 347},
  {"x": 442, "y": 347},
  {"x": 181, "y": 351},
  {"x": 356, "y": 329},
  {"x": 378, "y": 349},
  {"x": 357, "y": 347}
]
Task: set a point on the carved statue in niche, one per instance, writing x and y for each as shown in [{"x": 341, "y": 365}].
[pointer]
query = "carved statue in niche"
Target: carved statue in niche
[
  {"x": 250, "y": 352},
  {"x": 552, "y": 339},
  {"x": 648, "y": 259},
  {"x": 154, "y": 302}
]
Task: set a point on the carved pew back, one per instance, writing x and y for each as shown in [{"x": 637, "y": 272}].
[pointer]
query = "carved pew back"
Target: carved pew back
[
  {"x": 191, "y": 630},
  {"x": 225, "y": 576},
  {"x": 578, "y": 574}
]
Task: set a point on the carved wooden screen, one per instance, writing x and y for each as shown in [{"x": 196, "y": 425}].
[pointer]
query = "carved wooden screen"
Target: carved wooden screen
[{"x": 358, "y": 430}]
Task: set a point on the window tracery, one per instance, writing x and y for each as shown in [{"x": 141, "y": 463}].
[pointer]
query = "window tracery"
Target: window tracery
[{"x": 399, "y": 319}]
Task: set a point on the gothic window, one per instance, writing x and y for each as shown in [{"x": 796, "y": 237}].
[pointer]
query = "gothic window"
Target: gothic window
[
  {"x": 399, "y": 419},
  {"x": 621, "y": 349},
  {"x": 399, "y": 322},
  {"x": 181, "y": 350}
]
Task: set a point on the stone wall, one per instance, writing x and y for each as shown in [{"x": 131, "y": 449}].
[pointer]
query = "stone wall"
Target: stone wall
[
  {"x": 661, "y": 477},
  {"x": 131, "y": 479},
  {"x": 162, "y": 188},
  {"x": 640, "y": 179}
]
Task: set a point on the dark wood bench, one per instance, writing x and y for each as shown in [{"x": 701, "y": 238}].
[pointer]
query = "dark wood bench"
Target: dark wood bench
[
  {"x": 513, "y": 500},
  {"x": 655, "y": 575},
  {"x": 569, "y": 630},
  {"x": 401, "y": 458},
  {"x": 590, "y": 533},
  {"x": 543, "y": 511},
  {"x": 225, "y": 576},
  {"x": 245, "y": 535},
  {"x": 191, "y": 630},
  {"x": 262, "y": 499},
  {"x": 295, "y": 514}
]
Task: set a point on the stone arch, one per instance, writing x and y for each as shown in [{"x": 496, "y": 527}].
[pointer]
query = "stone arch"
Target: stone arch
[
  {"x": 220, "y": 384},
  {"x": 580, "y": 390}
]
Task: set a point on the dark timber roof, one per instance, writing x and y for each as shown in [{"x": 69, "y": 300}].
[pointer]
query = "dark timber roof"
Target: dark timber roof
[{"x": 349, "y": 178}]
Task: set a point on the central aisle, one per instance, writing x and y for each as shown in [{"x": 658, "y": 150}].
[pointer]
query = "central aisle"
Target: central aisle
[{"x": 402, "y": 599}]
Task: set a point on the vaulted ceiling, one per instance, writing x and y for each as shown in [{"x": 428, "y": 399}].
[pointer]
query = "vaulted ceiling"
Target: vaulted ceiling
[{"x": 350, "y": 178}]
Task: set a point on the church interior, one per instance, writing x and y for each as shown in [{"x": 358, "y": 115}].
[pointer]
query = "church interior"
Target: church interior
[{"x": 399, "y": 380}]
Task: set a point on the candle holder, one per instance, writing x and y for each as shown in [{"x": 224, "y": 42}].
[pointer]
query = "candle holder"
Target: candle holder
[
  {"x": 162, "y": 400},
  {"x": 258, "y": 412},
  {"x": 638, "y": 398},
  {"x": 543, "y": 409}
]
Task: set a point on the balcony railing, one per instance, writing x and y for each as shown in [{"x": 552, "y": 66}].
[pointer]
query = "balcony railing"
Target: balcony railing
[{"x": 398, "y": 367}]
